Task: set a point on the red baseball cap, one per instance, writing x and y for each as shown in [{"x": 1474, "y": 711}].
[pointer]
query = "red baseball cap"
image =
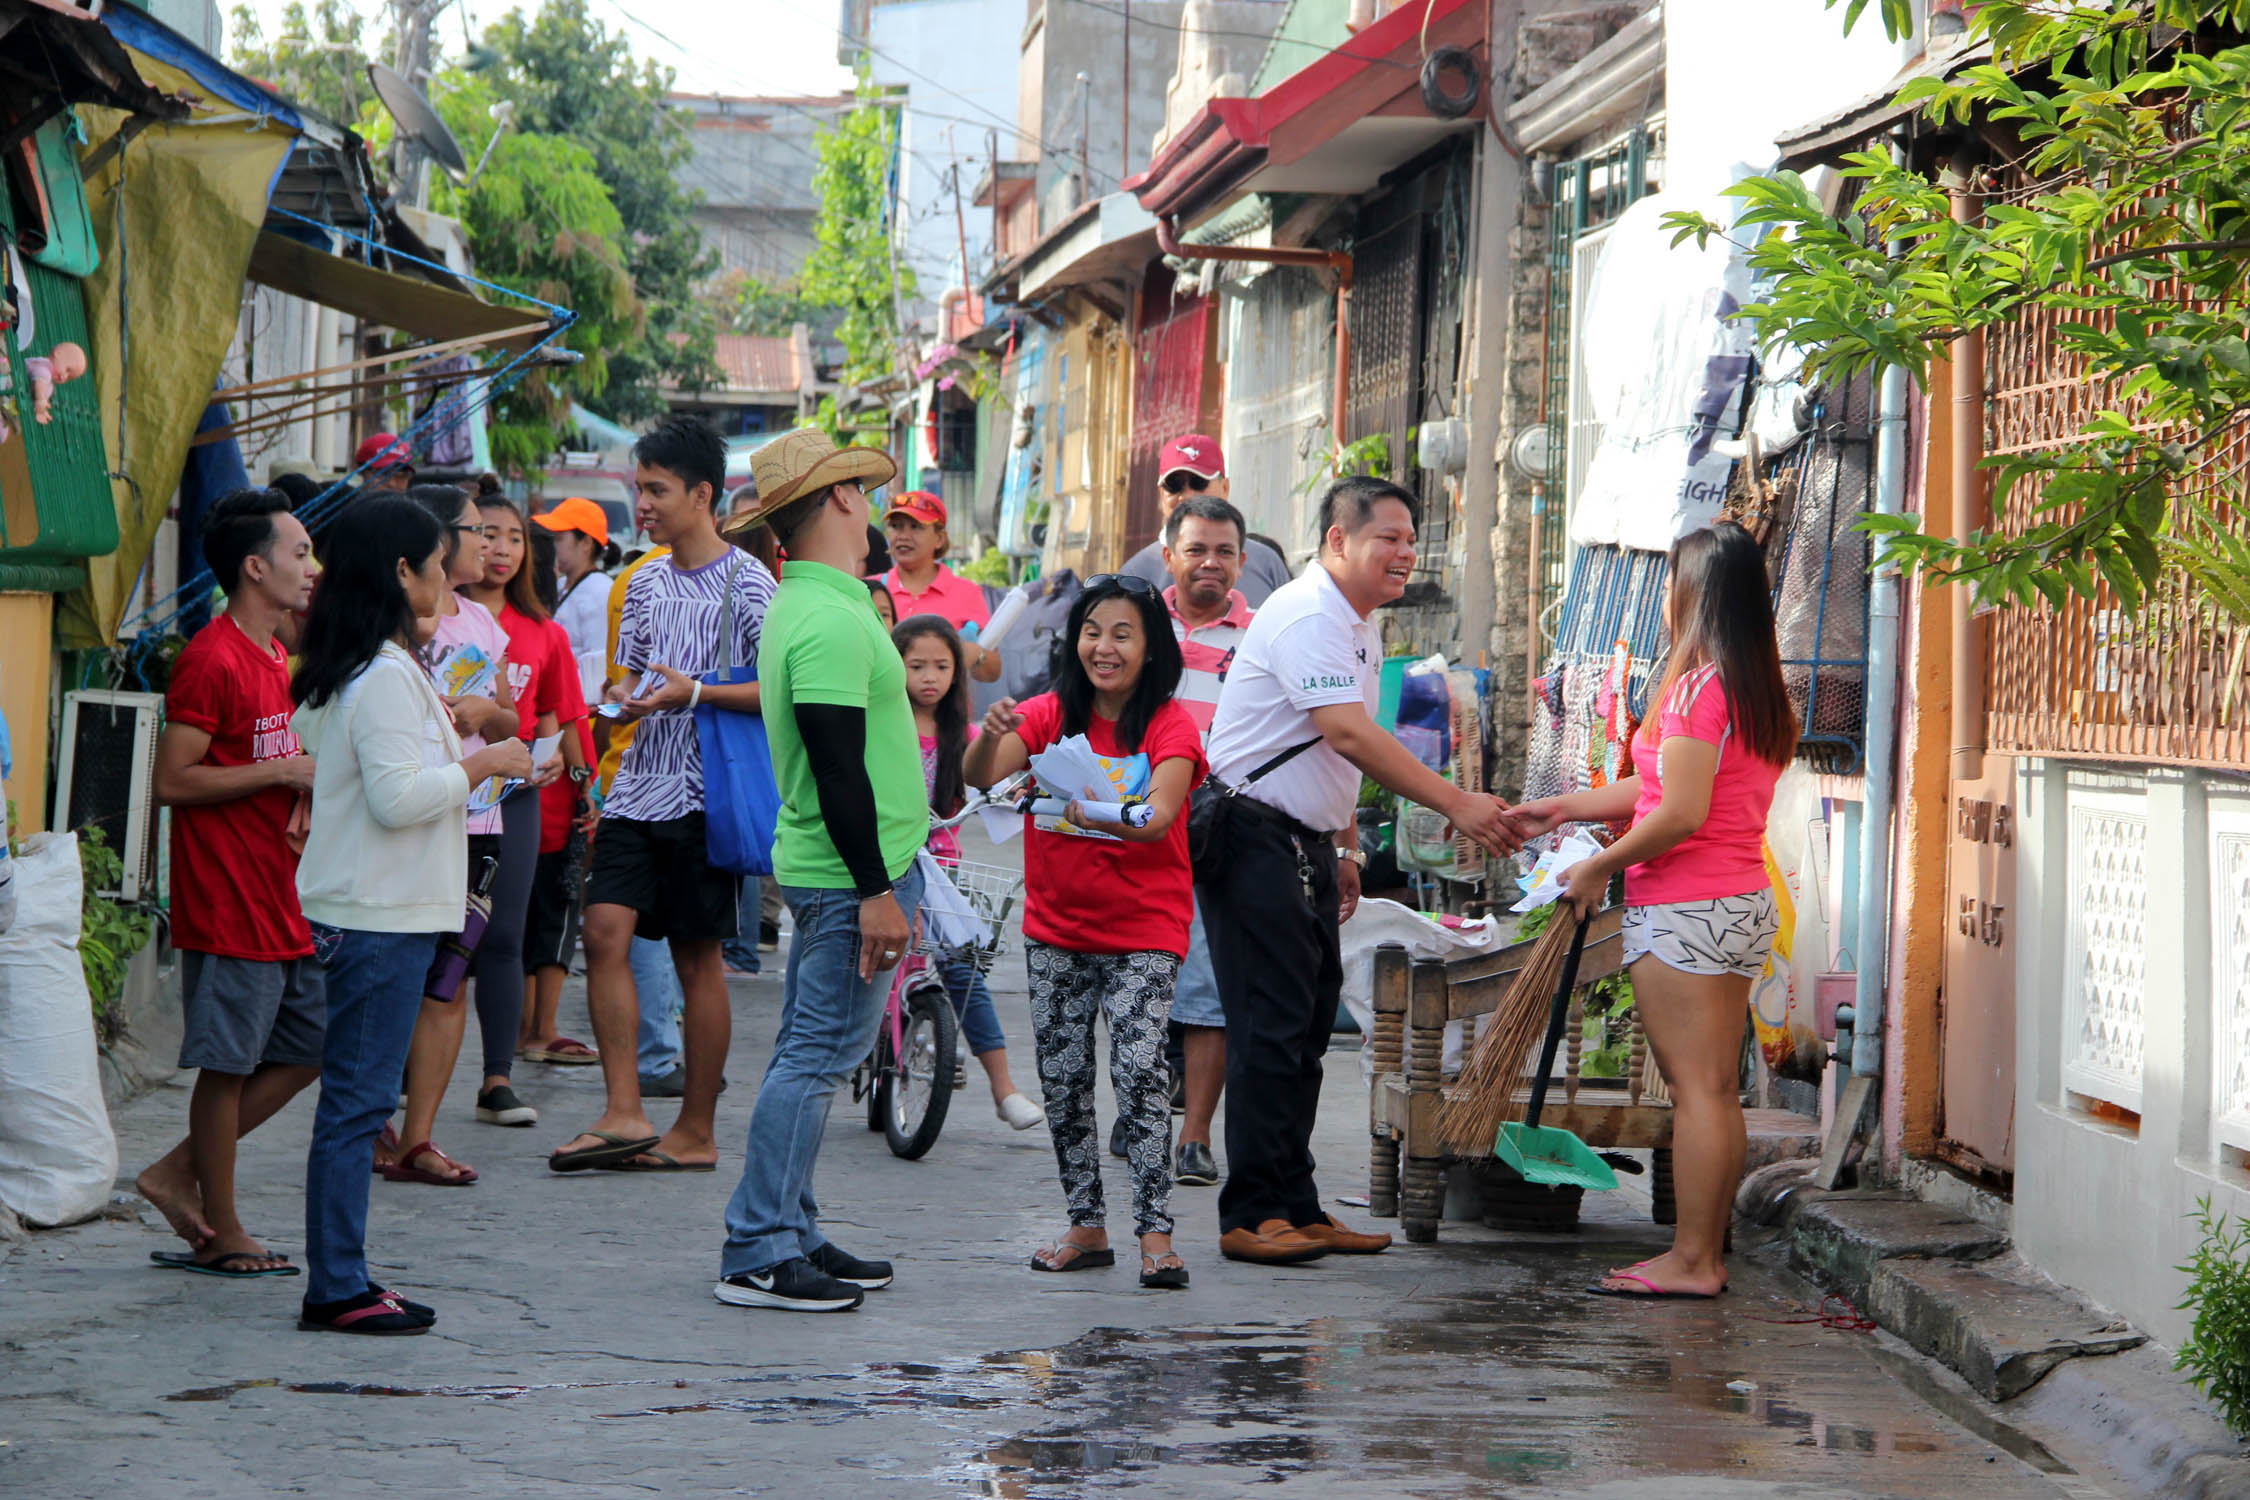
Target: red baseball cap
[
  {"x": 922, "y": 506},
  {"x": 1197, "y": 454},
  {"x": 385, "y": 447}
]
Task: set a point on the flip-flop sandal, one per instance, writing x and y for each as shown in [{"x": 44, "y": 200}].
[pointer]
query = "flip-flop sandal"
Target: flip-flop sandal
[
  {"x": 1168, "y": 1279},
  {"x": 1654, "y": 1293},
  {"x": 219, "y": 1265},
  {"x": 663, "y": 1163},
  {"x": 404, "y": 1170},
  {"x": 380, "y": 1317},
  {"x": 566, "y": 1052},
  {"x": 1081, "y": 1259},
  {"x": 613, "y": 1147}
]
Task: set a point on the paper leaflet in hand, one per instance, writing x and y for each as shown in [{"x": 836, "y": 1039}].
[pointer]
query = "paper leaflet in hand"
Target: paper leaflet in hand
[
  {"x": 493, "y": 790},
  {"x": 1069, "y": 771},
  {"x": 949, "y": 920},
  {"x": 1552, "y": 873},
  {"x": 1135, "y": 813},
  {"x": 465, "y": 672}
]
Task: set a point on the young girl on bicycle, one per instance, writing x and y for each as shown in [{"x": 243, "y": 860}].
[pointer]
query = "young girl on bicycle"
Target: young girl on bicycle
[
  {"x": 1107, "y": 906},
  {"x": 1699, "y": 912},
  {"x": 938, "y": 688}
]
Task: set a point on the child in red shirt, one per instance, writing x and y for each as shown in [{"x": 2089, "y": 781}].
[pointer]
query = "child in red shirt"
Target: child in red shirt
[
  {"x": 232, "y": 771},
  {"x": 550, "y": 938},
  {"x": 1106, "y": 906}
]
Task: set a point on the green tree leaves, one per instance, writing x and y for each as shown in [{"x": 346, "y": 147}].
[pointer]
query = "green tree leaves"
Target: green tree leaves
[
  {"x": 851, "y": 270},
  {"x": 2128, "y": 236}
]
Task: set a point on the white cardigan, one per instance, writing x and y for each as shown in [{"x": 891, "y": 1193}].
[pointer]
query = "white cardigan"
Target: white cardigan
[{"x": 389, "y": 848}]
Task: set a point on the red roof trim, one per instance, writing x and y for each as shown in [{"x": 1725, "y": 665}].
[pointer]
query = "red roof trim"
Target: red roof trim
[{"x": 1230, "y": 138}]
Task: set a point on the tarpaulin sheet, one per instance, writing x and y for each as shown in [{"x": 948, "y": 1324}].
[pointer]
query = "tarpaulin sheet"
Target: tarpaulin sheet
[{"x": 173, "y": 257}]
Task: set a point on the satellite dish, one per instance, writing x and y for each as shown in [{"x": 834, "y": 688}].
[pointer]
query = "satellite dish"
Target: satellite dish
[{"x": 417, "y": 121}]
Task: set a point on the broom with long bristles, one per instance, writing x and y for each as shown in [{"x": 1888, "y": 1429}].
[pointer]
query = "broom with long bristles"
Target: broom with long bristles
[{"x": 1484, "y": 1097}]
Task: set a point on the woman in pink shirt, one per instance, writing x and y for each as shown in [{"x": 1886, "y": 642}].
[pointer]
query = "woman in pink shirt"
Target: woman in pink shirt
[
  {"x": 1699, "y": 912},
  {"x": 920, "y": 583}
]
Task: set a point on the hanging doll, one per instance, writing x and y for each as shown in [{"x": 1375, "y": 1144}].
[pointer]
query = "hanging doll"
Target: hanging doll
[{"x": 61, "y": 365}]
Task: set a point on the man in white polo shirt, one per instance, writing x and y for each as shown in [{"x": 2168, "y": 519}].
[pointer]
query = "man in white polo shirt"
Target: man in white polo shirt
[{"x": 1295, "y": 731}]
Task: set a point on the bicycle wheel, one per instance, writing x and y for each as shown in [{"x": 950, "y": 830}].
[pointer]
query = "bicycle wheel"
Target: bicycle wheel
[{"x": 918, "y": 1090}]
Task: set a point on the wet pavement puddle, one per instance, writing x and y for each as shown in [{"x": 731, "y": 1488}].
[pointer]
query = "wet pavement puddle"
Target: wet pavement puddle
[{"x": 1487, "y": 1394}]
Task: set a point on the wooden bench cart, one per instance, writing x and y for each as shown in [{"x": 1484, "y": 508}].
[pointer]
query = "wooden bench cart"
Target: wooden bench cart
[{"x": 1416, "y": 998}]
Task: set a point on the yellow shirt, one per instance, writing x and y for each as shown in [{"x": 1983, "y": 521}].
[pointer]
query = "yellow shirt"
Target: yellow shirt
[{"x": 621, "y": 734}]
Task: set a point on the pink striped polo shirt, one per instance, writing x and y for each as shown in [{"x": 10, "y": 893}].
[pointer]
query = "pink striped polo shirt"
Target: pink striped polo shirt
[{"x": 1206, "y": 653}]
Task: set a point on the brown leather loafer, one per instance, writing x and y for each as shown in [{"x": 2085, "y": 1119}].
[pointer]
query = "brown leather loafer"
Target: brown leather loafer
[
  {"x": 1276, "y": 1242},
  {"x": 1334, "y": 1236}
]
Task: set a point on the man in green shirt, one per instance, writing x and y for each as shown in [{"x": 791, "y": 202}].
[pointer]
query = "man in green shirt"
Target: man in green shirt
[{"x": 853, "y": 815}]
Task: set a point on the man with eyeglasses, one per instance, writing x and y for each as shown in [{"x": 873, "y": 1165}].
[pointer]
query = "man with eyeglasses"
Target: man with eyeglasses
[{"x": 1193, "y": 465}]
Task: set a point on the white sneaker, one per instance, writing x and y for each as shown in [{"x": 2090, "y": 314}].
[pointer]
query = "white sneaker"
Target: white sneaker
[{"x": 1019, "y": 1112}]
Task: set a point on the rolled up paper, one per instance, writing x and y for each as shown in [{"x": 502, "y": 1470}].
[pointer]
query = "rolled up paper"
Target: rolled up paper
[
  {"x": 1004, "y": 618},
  {"x": 1134, "y": 814}
]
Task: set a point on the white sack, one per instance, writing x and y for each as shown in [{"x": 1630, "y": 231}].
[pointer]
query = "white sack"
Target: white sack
[
  {"x": 1378, "y": 922},
  {"x": 58, "y": 1158}
]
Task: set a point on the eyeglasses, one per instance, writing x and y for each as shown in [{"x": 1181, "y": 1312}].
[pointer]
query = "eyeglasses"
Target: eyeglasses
[
  {"x": 1180, "y": 481},
  {"x": 461, "y": 530},
  {"x": 1124, "y": 583}
]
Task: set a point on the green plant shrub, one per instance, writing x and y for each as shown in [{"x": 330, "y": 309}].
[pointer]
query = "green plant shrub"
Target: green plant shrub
[
  {"x": 111, "y": 931},
  {"x": 2216, "y": 1355},
  {"x": 989, "y": 568}
]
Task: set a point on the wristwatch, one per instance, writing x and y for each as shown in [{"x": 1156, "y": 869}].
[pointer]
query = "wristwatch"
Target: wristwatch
[{"x": 1356, "y": 856}]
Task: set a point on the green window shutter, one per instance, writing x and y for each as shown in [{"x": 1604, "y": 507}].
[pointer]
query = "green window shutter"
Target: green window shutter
[{"x": 68, "y": 465}]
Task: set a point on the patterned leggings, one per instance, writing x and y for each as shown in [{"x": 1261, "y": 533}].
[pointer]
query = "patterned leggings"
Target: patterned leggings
[{"x": 1135, "y": 991}]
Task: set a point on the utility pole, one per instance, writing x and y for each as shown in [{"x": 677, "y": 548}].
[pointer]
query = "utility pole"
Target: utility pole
[
  {"x": 410, "y": 25},
  {"x": 1085, "y": 123},
  {"x": 1125, "y": 108},
  {"x": 960, "y": 229}
]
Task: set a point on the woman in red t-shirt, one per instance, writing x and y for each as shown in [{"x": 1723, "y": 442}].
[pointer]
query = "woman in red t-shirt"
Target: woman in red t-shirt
[
  {"x": 550, "y": 936},
  {"x": 1106, "y": 907}
]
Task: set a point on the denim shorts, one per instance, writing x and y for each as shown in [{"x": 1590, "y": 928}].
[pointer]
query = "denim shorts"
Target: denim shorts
[
  {"x": 1731, "y": 935},
  {"x": 241, "y": 1012},
  {"x": 1195, "y": 994}
]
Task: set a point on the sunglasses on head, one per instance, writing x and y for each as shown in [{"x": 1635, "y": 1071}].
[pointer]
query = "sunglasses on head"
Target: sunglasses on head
[
  {"x": 1124, "y": 583},
  {"x": 1180, "y": 481}
]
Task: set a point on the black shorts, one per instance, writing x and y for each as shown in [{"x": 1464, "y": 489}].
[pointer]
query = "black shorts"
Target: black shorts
[
  {"x": 662, "y": 872},
  {"x": 550, "y": 932}
]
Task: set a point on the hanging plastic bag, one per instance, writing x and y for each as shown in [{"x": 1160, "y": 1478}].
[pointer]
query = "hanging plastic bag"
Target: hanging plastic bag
[
  {"x": 1781, "y": 1001},
  {"x": 58, "y": 1158}
]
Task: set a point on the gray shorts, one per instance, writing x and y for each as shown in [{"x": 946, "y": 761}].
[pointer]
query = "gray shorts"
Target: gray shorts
[
  {"x": 1731, "y": 935},
  {"x": 241, "y": 1012},
  {"x": 1195, "y": 995}
]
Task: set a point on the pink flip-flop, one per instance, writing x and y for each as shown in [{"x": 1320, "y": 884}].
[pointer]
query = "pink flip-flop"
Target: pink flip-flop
[{"x": 1654, "y": 1293}]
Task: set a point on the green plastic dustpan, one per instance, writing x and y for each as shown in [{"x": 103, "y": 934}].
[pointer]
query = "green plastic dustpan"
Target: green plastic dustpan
[{"x": 1547, "y": 1155}]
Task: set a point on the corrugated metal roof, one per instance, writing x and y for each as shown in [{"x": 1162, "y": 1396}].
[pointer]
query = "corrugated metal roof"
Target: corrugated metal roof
[{"x": 753, "y": 363}]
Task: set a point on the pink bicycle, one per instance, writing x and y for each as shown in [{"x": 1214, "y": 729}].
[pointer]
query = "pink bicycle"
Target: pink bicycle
[{"x": 907, "y": 1081}]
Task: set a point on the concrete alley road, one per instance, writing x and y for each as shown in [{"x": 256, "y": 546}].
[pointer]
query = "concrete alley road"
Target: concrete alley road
[{"x": 579, "y": 1350}]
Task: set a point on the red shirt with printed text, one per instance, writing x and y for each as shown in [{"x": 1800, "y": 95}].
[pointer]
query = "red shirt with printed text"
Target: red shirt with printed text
[{"x": 234, "y": 876}]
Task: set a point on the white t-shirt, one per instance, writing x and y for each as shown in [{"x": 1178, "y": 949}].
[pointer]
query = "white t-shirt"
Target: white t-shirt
[
  {"x": 583, "y": 614},
  {"x": 1306, "y": 648}
]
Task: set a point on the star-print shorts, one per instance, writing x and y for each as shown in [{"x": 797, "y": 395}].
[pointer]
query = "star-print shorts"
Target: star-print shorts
[{"x": 1732, "y": 935}]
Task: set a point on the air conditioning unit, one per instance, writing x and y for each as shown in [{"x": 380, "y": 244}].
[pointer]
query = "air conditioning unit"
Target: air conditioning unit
[{"x": 108, "y": 779}]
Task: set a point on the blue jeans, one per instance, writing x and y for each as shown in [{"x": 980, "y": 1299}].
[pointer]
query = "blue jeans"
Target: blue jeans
[
  {"x": 829, "y": 1017},
  {"x": 659, "y": 990},
  {"x": 972, "y": 1002},
  {"x": 374, "y": 994},
  {"x": 741, "y": 951}
]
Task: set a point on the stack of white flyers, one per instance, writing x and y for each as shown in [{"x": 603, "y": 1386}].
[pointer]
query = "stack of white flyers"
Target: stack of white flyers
[{"x": 1069, "y": 771}]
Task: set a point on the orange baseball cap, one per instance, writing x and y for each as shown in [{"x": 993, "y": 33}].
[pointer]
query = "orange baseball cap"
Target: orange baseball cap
[
  {"x": 577, "y": 514},
  {"x": 922, "y": 506}
]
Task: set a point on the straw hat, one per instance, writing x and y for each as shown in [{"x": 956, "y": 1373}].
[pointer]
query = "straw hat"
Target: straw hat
[{"x": 803, "y": 462}]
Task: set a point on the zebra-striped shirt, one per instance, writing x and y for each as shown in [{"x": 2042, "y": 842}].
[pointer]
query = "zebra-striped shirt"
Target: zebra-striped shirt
[{"x": 674, "y": 616}]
